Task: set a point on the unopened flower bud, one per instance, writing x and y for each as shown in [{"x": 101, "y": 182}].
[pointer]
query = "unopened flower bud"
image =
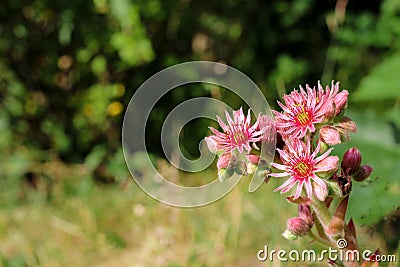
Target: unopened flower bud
[
  {"x": 351, "y": 161},
  {"x": 347, "y": 124},
  {"x": 253, "y": 159},
  {"x": 297, "y": 226},
  {"x": 321, "y": 192},
  {"x": 329, "y": 164},
  {"x": 330, "y": 135},
  {"x": 254, "y": 162},
  {"x": 305, "y": 213},
  {"x": 329, "y": 110},
  {"x": 341, "y": 101},
  {"x": 226, "y": 161},
  {"x": 363, "y": 173}
]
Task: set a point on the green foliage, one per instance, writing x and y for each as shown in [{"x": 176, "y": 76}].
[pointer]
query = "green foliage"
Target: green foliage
[
  {"x": 382, "y": 83},
  {"x": 377, "y": 196}
]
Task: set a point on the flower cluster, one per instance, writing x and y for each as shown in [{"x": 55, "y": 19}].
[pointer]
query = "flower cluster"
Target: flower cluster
[
  {"x": 306, "y": 114},
  {"x": 311, "y": 122},
  {"x": 238, "y": 136}
]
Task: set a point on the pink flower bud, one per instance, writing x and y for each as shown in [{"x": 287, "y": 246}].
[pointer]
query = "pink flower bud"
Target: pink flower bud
[
  {"x": 226, "y": 161},
  {"x": 328, "y": 109},
  {"x": 321, "y": 192},
  {"x": 347, "y": 124},
  {"x": 297, "y": 226},
  {"x": 330, "y": 135},
  {"x": 305, "y": 213},
  {"x": 351, "y": 161},
  {"x": 341, "y": 101},
  {"x": 328, "y": 166},
  {"x": 253, "y": 159},
  {"x": 363, "y": 173}
]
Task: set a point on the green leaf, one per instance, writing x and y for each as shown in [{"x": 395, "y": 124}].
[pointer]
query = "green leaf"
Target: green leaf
[
  {"x": 377, "y": 196},
  {"x": 382, "y": 83}
]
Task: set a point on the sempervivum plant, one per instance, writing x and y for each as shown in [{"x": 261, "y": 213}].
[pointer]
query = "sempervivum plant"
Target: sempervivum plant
[{"x": 310, "y": 124}]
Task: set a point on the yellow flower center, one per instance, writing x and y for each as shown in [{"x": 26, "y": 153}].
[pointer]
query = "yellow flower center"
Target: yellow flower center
[
  {"x": 302, "y": 168},
  {"x": 303, "y": 118},
  {"x": 238, "y": 137}
]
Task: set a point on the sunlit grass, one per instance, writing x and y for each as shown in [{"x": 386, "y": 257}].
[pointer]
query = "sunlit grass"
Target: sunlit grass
[{"x": 111, "y": 226}]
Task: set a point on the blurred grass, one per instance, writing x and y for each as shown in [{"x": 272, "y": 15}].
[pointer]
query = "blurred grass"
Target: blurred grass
[{"x": 114, "y": 226}]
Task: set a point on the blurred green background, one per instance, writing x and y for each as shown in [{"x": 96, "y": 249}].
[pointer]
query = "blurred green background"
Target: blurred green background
[{"x": 68, "y": 70}]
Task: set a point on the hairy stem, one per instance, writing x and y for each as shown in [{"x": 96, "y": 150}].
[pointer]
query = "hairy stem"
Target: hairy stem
[
  {"x": 321, "y": 211},
  {"x": 319, "y": 239}
]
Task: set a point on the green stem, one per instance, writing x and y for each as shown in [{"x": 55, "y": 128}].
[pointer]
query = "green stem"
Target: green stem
[
  {"x": 321, "y": 211},
  {"x": 319, "y": 239}
]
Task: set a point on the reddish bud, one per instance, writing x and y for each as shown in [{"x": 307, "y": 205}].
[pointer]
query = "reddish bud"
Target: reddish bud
[
  {"x": 306, "y": 214},
  {"x": 253, "y": 159},
  {"x": 363, "y": 173},
  {"x": 297, "y": 226},
  {"x": 351, "y": 161},
  {"x": 330, "y": 135}
]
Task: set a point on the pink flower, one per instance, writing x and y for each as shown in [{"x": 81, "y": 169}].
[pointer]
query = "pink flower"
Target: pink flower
[
  {"x": 302, "y": 110},
  {"x": 301, "y": 166},
  {"x": 266, "y": 125},
  {"x": 238, "y": 134},
  {"x": 335, "y": 101}
]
